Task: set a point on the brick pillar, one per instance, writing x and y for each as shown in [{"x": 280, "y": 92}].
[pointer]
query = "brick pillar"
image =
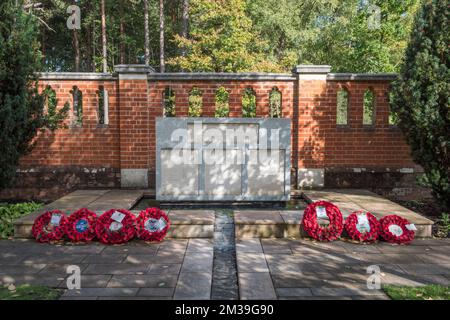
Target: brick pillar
[
  {"x": 134, "y": 125},
  {"x": 309, "y": 124}
]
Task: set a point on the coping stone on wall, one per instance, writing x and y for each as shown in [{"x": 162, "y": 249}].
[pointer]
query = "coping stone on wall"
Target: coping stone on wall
[
  {"x": 362, "y": 76},
  {"x": 219, "y": 76},
  {"x": 75, "y": 76},
  {"x": 311, "y": 69}
]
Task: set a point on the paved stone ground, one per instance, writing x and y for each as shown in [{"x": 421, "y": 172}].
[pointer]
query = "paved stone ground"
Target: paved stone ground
[
  {"x": 174, "y": 269},
  {"x": 303, "y": 269},
  {"x": 267, "y": 268}
]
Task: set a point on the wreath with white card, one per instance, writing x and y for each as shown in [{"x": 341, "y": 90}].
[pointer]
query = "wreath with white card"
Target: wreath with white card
[
  {"x": 49, "y": 226},
  {"x": 362, "y": 226},
  {"x": 115, "y": 226},
  {"x": 395, "y": 229},
  {"x": 152, "y": 224},
  {"x": 323, "y": 211}
]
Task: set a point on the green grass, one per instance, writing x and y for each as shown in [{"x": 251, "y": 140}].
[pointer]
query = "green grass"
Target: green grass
[
  {"x": 430, "y": 292},
  {"x": 27, "y": 292},
  {"x": 11, "y": 212}
]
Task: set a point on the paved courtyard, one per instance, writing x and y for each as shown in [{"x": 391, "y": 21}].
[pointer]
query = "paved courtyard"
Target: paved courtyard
[{"x": 267, "y": 268}]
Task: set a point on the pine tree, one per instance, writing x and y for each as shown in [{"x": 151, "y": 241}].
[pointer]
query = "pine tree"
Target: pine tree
[
  {"x": 21, "y": 106},
  {"x": 420, "y": 96}
]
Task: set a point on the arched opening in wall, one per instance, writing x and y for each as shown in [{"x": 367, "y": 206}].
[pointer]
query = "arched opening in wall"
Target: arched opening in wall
[
  {"x": 275, "y": 103},
  {"x": 103, "y": 106},
  {"x": 195, "y": 103},
  {"x": 369, "y": 107},
  {"x": 77, "y": 98},
  {"x": 222, "y": 103},
  {"x": 342, "y": 99},
  {"x": 50, "y": 99},
  {"x": 169, "y": 102},
  {"x": 249, "y": 103}
]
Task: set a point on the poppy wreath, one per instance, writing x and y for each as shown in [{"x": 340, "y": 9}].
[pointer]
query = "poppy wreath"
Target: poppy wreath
[
  {"x": 46, "y": 230},
  {"x": 110, "y": 231},
  {"x": 152, "y": 224},
  {"x": 394, "y": 229},
  {"x": 329, "y": 233},
  {"x": 362, "y": 232},
  {"x": 80, "y": 226}
]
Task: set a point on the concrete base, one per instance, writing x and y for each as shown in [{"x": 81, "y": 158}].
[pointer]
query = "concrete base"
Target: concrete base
[
  {"x": 134, "y": 178},
  {"x": 311, "y": 178}
]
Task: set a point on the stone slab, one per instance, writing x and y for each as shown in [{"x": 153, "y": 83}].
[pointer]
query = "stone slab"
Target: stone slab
[
  {"x": 256, "y": 286},
  {"x": 193, "y": 286}
]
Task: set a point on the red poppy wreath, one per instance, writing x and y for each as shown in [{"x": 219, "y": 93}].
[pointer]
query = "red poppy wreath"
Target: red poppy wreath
[
  {"x": 323, "y": 210},
  {"x": 395, "y": 229},
  {"x": 362, "y": 226},
  {"x": 115, "y": 226},
  {"x": 80, "y": 226},
  {"x": 49, "y": 226},
  {"x": 152, "y": 225}
]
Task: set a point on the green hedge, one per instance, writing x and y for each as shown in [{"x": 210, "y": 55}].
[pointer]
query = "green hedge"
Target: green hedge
[{"x": 11, "y": 212}]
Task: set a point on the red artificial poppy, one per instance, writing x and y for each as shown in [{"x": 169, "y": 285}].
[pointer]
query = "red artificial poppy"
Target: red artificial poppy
[
  {"x": 395, "y": 229},
  {"x": 152, "y": 224},
  {"x": 115, "y": 226},
  {"x": 323, "y": 209},
  {"x": 49, "y": 226},
  {"x": 80, "y": 226},
  {"x": 362, "y": 226}
]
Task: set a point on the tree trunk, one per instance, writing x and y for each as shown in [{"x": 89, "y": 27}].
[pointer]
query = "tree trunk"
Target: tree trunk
[
  {"x": 122, "y": 41},
  {"x": 76, "y": 48},
  {"x": 94, "y": 42},
  {"x": 185, "y": 23},
  {"x": 147, "y": 34},
  {"x": 104, "y": 55},
  {"x": 162, "y": 62}
]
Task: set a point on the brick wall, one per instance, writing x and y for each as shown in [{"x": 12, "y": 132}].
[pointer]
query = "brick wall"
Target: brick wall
[{"x": 93, "y": 155}]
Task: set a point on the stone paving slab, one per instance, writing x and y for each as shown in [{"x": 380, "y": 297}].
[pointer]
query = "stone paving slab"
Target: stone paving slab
[
  {"x": 256, "y": 286},
  {"x": 193, "y": 286}
]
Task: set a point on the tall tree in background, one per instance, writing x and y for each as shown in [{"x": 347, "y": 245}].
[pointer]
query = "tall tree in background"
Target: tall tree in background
[
  {"x": 185, "y": 24},
  {"x": 21, "y": 105},
  {"x": 221, "y": 39},
  {"x": 104, "y": 44},
  {"x": 76, "y": 47},
  {"x": 162, "y": 61},
  {"x": 420, "y": 97},
  {"x": 147, "y": 33}
]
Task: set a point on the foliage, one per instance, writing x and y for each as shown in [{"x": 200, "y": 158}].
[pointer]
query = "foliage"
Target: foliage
[
  {"x": 249, "y": 103},
  {"x": 430, "y": 292},
  {"x": 222, "y": 104},
  {"x": 21, "y": 105},
  {"x": 443, "y": 225},
  {"x": 11, "y": 212},
  {"x": 342, "y": 107},
  {"x": 275, "y": 103},
  {"x": 27, "y": 292},
  {"x": 54, "y": 117},
  {"x": 334, "y": 32},
  {"x": 233, "y": 35},
  {"x": 195, "y": 103},
  {"x": 221, "y": 39},
  {"x": 169, "y": 103},
  {"x": 369, "y": 107},
  {"x": 420, "y": 97}
]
